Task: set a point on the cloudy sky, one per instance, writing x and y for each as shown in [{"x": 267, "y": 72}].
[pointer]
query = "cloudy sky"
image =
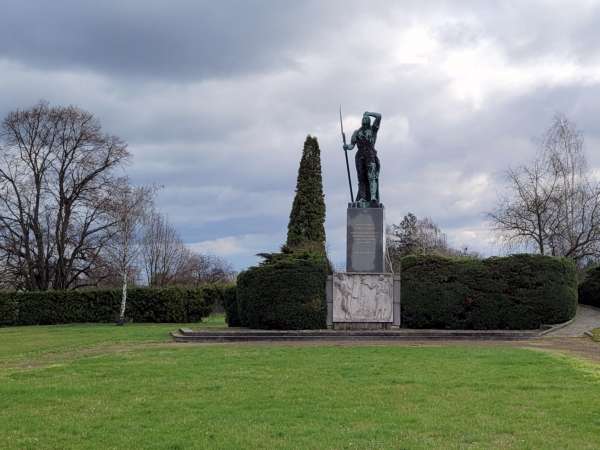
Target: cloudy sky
[{"x": 215, "y": 99}]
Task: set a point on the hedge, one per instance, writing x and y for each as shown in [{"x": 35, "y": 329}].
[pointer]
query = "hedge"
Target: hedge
[
  {"x": 230, "y": 305},
  {"x": 589, "y": 289},
  {"x": 514, "y": 292},
  {"x": 173, "y": 304},
  {"x": 287, "y": 292},
  {"x": 9, "y": 310}
]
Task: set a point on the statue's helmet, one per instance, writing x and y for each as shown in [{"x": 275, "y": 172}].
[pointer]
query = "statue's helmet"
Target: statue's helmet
[{"x": 366, "y": 121}]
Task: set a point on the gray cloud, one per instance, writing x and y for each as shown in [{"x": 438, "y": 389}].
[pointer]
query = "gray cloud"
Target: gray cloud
[
  {"x": 152, "y": 39},
  {"x": 192, "y": 40},
  {"x": 181, "y": 40},
  {"x": 216, "y": 98}
]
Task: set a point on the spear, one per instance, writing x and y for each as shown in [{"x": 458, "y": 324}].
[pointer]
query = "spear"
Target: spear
[{"x": 346, "y": 155}]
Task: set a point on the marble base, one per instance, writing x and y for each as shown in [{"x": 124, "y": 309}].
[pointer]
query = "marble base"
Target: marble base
[
  {"x": 372, "y": 299},
  {"x": 353, "y": 326}
]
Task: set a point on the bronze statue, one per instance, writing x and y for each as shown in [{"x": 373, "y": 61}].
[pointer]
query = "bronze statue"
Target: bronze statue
[{"x": 367, "y": 163}]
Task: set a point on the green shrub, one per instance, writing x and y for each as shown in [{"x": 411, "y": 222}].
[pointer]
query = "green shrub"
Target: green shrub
[
  {"x": 230, "y": 304},
  {"x": 589, "y": 289},
  {"x": 52, "y": 307},
  {"x": 155, "y": 304},
  {"x": 288, "y": 292},
  {"x": 514, "y": 292},
  {"x": 199, "y": 303},
  {"x": 172, "y": 304},
  {"x": 9, "y": 309}
]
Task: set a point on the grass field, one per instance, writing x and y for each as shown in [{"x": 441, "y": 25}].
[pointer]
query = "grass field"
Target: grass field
[{"x": 101, "y": 386}]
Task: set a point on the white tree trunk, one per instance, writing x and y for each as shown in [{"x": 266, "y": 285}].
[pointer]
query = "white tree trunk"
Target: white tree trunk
[{"x": 123, "y": 299}]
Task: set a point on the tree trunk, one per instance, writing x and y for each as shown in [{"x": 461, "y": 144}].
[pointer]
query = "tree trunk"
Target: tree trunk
[{"x": 123, "y": 300}]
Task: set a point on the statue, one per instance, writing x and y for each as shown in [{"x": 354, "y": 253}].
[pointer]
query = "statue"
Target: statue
[{"x": 367, "y": 163}]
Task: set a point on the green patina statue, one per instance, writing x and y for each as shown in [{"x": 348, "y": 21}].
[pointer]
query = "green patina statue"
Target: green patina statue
[{"x": 367, "y": 163}]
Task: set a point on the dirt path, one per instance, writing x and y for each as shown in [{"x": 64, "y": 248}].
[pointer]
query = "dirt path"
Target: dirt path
[
  {"x": 582, "y": 347},
  {"x": 586, "y": 319}
]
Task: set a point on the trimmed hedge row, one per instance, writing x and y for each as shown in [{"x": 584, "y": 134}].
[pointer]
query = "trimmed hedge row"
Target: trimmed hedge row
[
  {"x": 173, "y": 304},
  {"x": 287, "y": 292},
  {"x": 589, "y": 289},
  {"x": 514, "y": 292}
]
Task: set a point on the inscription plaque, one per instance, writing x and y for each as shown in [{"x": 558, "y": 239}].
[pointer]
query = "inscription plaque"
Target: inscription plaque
[{"x": 365, "y": 240}]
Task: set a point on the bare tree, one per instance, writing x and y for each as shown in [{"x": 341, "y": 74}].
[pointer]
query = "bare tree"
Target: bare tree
[
  {"x": 553, "y": 204},
  {"x": 128, "y": 207},
  {"x": 56, "y": 173},
  {"x": 527, "y": 214},
  {"x": 6, "y": 277},
  {"x": 165, "y": 257},
  {"x": 202, "y": 269},
  {"x": 417, "y": 236}
]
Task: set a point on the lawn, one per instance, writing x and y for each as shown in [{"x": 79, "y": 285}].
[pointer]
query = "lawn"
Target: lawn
[{"x": 101, "y": 386}]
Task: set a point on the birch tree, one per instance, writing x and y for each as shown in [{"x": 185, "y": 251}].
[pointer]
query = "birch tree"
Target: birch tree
[{"x": 128, "y": 209}]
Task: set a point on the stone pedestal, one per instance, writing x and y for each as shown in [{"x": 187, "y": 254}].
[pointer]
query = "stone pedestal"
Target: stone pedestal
[
  {"x": 365, "y": 244},
  {"x": 365, "y": 296}
]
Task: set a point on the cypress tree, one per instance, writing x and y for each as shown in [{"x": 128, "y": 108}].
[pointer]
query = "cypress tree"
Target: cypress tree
[{"x": 306, "y": 229}]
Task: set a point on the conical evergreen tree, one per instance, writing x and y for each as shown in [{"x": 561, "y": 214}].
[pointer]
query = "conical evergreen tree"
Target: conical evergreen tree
[{"x": 306, "y": 229}]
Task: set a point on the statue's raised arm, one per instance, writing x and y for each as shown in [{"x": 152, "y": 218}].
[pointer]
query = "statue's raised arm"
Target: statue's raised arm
[
  {"x": 376, "y": 123},
  {"x": 376, "y": 116}
]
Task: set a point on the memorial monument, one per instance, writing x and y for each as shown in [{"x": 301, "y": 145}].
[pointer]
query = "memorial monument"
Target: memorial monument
[{"x": 366, "y": 296}]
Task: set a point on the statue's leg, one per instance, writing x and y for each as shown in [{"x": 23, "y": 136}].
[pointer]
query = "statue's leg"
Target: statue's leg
[
  {"x": 373, "y": 176},
  {"x": 361, "y": 174},
  {"x": 378, "y": 167}
]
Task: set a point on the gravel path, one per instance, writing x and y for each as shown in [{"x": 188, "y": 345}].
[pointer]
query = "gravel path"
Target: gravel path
[{"x": 587, "y": 318}]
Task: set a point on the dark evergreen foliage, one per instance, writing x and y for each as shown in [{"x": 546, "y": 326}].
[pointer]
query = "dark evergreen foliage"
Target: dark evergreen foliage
[
  {"x": 589, "y": 289},
  {"x": 514, "y": 292},
  {"x": 173, "y": 304},
  {"x": 230, "y": 304},
  {"x": 306, "y": 230},
  {"x": 9, "y": 309},
  {"x": 407, "y": 234},
  {"x": 288, "y": 292}
]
